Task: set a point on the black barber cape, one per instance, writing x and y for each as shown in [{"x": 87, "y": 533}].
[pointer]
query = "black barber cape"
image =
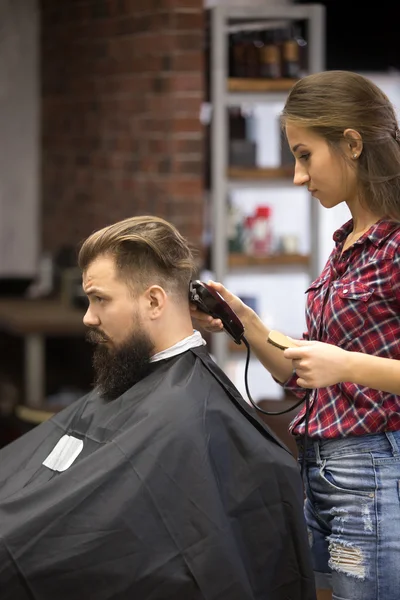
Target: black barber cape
[{"x": 174, "y": 491}]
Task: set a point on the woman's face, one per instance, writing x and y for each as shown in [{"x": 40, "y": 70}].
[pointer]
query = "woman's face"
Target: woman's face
[{"x": 328, "y": 176}]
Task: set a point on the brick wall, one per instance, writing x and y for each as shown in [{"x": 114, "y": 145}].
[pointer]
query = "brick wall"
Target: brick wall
[{"x": 122, "y": 85}]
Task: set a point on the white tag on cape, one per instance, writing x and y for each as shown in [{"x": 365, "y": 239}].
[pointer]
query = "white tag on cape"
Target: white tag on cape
[{"x": 64, "y": 453}]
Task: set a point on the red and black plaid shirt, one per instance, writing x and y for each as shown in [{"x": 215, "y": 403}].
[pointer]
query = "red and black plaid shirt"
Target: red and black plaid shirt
[{"x": 355, "y": 304}]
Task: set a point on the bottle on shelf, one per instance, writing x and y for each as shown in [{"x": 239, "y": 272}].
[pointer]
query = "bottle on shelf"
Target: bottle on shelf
[
  {"x": 247, "y": 235},
  {"x": 242, "y": 150},
  {"x": 272, "y": 53},
  {"x": 252, "y": 55},
  {"x": 270, "y": 67},
  {"x": 235, "y": 229},
  {"x": 244, "y": 54},
  {"x": 261, "y": 234},
  {"x": 290, "y": 55},
  {"x": 236, "y": 123},
  {"x": 237, "y": 55},
  {"x": 300, "y": 35}
]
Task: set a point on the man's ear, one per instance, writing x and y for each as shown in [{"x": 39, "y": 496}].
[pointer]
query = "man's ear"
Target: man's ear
[
  {"x": 353, "y": 143},
  {"x": 156, "y": 299}
]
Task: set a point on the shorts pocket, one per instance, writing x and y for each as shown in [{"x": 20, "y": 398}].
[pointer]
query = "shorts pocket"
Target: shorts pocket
[{"x": 353, "y": 474}]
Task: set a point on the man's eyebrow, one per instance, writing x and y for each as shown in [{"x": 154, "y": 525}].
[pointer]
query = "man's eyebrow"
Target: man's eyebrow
[
  {"x": 91, "y": 290},
  {"x": 296, "y": 147}
]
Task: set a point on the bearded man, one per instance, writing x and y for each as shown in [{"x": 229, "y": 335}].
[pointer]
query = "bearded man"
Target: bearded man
[{"x": 162, "y": 483}]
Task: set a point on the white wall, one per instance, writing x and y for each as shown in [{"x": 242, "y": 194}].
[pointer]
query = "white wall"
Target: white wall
[{"x": 19, "y": 137}]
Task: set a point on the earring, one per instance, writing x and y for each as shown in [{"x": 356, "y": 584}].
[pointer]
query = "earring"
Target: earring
[{"x": 354, "y": 155}]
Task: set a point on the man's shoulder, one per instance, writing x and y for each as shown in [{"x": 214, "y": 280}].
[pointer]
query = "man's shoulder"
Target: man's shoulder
[{"x": 190, "y": 387}]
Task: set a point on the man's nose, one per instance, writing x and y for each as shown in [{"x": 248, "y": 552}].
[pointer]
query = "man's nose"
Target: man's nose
[{"x": 90, "y": 319}]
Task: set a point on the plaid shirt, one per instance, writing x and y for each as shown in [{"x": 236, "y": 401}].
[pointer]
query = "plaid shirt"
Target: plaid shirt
[{"x": 355, "y": 304}]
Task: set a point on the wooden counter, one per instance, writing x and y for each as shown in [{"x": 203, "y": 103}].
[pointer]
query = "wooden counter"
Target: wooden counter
[{"x": 34, "y": 320}]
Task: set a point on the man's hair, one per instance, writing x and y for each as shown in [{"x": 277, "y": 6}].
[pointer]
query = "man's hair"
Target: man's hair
[
  {"x": 330, "y": 102},
  {"x": 147, "y": 251}
]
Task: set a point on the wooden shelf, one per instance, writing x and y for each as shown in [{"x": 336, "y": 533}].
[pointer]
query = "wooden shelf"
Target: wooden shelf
[
  {"x": 22, "y": 316},
  {"x": 34, "y": 416},
  {"x": 254, "y": 173},
  {"x": 243, "y": 260},
  {"x": 260, "y": 85}
]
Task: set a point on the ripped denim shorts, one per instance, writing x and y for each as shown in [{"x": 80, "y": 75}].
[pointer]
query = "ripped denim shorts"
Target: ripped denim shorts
[{"x": 352, "y": 511}]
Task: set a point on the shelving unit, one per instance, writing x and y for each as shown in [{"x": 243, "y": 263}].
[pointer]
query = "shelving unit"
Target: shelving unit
[{"x": 226, "y": 92}]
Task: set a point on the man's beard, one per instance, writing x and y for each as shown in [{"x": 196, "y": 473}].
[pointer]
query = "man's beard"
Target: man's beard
[{"x": 118, "y": 368}]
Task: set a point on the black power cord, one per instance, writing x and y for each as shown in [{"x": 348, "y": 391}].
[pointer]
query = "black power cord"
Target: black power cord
[
  {"x": 281, "y": 412},
  {"x": 246, "y": 382}
]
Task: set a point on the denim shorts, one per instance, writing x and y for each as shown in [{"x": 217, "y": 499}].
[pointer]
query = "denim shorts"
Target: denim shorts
[{"x": 352, "y": 510}]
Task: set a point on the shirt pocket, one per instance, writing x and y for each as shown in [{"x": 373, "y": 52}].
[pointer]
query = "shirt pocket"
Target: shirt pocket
[{"x": 350, "y": 307}]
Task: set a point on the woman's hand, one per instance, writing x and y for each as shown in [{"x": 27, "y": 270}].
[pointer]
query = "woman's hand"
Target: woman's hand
[
  {"x": 318, "y": 364},
  {"x": 203, "y": 321}
]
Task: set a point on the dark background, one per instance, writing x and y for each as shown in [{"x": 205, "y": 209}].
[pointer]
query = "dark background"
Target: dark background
[{"x": 362, "y": 37}]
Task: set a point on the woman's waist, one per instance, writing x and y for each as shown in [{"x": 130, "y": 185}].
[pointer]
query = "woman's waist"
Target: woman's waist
[
  {"x": 339, "y": 411},
  {"x": 385, "y": 441}
]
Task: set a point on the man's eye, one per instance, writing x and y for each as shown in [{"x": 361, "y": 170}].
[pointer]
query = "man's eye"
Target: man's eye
[{"x": 99, "y": 299}]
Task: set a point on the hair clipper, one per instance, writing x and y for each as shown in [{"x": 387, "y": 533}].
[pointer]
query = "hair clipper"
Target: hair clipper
[{"x": 211, "y": 302}]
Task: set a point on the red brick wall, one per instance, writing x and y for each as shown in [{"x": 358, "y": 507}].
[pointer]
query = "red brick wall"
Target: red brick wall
[{"x": 122, "y": 85}]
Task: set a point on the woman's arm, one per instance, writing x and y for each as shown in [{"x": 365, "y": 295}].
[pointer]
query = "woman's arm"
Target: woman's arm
[
  {"x": 255, "y": 331},
  {"x": 319, "y": 365}
]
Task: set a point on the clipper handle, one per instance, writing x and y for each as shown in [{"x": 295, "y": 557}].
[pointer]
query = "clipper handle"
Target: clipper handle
[{"x": 211, "y": 302}]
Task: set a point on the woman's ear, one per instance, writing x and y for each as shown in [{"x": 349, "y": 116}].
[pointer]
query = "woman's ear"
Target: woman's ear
[{"x": 353, "y": 143}]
